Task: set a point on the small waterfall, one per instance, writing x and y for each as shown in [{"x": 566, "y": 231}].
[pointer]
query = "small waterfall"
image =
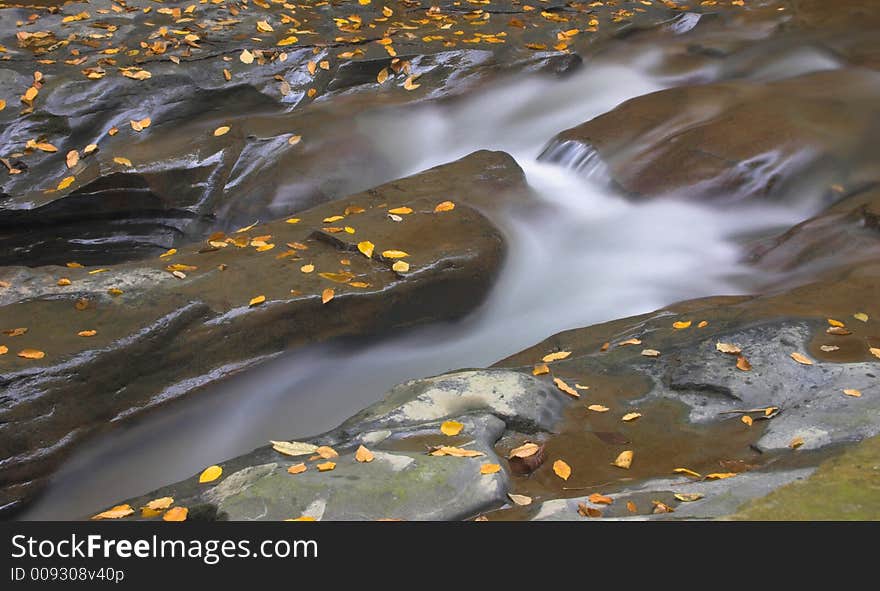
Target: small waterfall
[{"x": 577, "y": 156}]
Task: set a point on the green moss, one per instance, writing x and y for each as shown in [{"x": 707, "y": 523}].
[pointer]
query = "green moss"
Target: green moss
[{"x": 844, "y": 488}]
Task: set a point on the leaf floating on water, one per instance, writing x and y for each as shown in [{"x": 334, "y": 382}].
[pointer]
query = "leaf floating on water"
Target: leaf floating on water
[
  {"x": 256, "y": 301},
  {"x": 728, "y": 348},
  {"x": 720, "y": 475},
  {"x": 861, "y": 316},
  {"x": 222, "y": 130},
  {"x": 561, "y": 469},
  {"x": 579, "y": 387},
  {"x": 293, "y": 448},
  {"x": 829, "y": 348},
  {"x": 140, "y": 125},
  {"x": 540, "y": 369},
  {"x": 688, "y": 472},
  {"x": 444, "y": 206},
  {"x": 117, "y": 512},
  {"x": 743, "y": 364},
  {"x": 747, "y": 420},
  {"x": 566, "y": 388},
  {"x": 598, "y": 499},
  {"x": 624, "y": 460},
  {"x": 246, "y": 57},
  {"x": 521, "y": 500},
  {"x": 294, "y": 140},
  {"x": 394, "y": 254},
  {"x": 326, "y": 452},
  {"x": 366, "y": 248},
  {"x": 382, "y": 76},
  {"x": 490, "y": 468},
  {"x": 63, "y": 282},
  {"x": 681, "y": 325},
  {"x": 630, "y": 416},
  {"x": 326, "y": 466},
  {"x": 702, "y": 324},
  {"x": 297, "y": 468},
  {"x": 307, "y": 268},
  {"x": 586, "y": 511},
  {"x": 160, "y": 504},
  {"x": 803, "y": 360},
  {"x": 660, "y": 507},
  {"x": 122, "y": 161},
  {"x": 524, "y": 451},
  {"x": 796, "y": 442},
  {"x": 451, "y": 428},
  {"x": 629, "y": 342},
  {"x": 838, "y": 331},
  {"x": 688, "y": 497},
  {"x": 410, "y": 84},
  {"x": 555, "y": 356},
  {"x": 401, "y": 210},
  {"x": 31, "y": 354},
  {"x": 327, "y": 295},
  {"x": 400, "y": 267},
  {"x": 650, "y": 352},
  {"x": 853, "y": 392},
  {"x": 176, "y": 514},
  {"x": 4, "y": 349},
  {"x": 458, "y": 452},
  {"x": 363, "y": 455},
  {"x": 631, "y": 507},
  {"x": 343, "y": 277},
  {"x": 836, "y": 323},
  {"x": 598, "y": 408},
  {"x": 292, "y": 221},
  {"x": 875, "y": 352},
  {"x": 87, "y": 333},
  {"x": 210, "y": 474},
  {"x": 72, "y": 158},
  {"x": 15, "y": 332}
]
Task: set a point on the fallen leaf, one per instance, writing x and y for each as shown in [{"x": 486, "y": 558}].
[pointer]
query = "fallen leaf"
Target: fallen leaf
[
  {"x": 566, "y": 388},
  {"x": 4, "y": 349},
  {"x": 400, "y": 267},
  {"x": 246, "y": 57},
  {"x": 579, "y": 387},
  {"x": 624, "y": 460},
  {"x": 458, "y": 452},
  {"x": 294, "y": 140},
  {"x": 297, "y": 468},
  {"x": 287, "y": 41},
  {"x": 343, "y": 277},
  {"x": 702, "y": 324},
  {"x": 796, "y": 442},
  {"x": 366, "y": 248},
  {"x": 210, "y": 474},
  {"x": 410, "y": 84},
  {"x": 490, "y": 468},
  {"x": 326, "y": 466},
  {"x": 293, "y": 448},
  {"x": 63, "y": 281},
  {"x": 540, "y": 369},
  {"x": 688, "y": 497},
  {"x": 394, "y": 254},
  {"x": 555, "y": 356},
  {"x": 140, "y": 125},
  {"x": 586, "y": 511},
  {"x": 451, "y": 428},
  {"x": 650, "y": 352},
  {"x": 256, "y": 301},
  {"x": 728, "y": 348},
  {"x": 829, "y": 348},
  {"x": 160, "y": 504},
  {"x": 598, "y": 408},
  {"x": 743, "y": 364},
  {"x": 630, "y": 416},
  {"x": 15, "y": 332},
  {"x": 382, "y": 76},
  {"x": 562, "y": 469},
  {"x": 292, "y": 220},
  {"x": 401, "y": 210},
  {"x": 836, "y": 323},
  {"x": 114, "y": 291},
  {"x": 660, "y": 507},
  {"x": 116, "y": 512},
  {"x": 72, "y": 158},
  {"x": 875, "y": 351},
  {"x": 631, "y": 507},
  {"x": 521, "y": 500},
  {"x": 326, "y": 452},
  {"x": 852, "y": 392},
  {"x": 122, "y": 161},
  {"x": 524, "y": 451},
  {"x": 629, "y": 342},
  {"x": 307, "y": 268},
  {"x": 803, "y": 360},
  {"x": 222, "y": 130},
  {"x": 838, "y": 331},
  {"x": 598, "y": 499},
  {"x": 176, "y": 514},
  {"x": 680, "y": 325},
  {"x": 747, "y": 420},
  {"x": 363, "y": 455},
  {"x": 327, "y": 295},
  {"x": 264, "y": 27},
  {"x": 87, "y": 333},
  {"x": 65, "y": 182},
  {"x": 31, "y": 354},
  {"x": 861, "y": 316},
  {"x": 720, "y": 475}
]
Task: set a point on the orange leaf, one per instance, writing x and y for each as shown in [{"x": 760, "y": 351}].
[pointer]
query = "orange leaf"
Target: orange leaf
[
  {"x": 566, "y": 388},
  {"x": 117, "y": 512},
  {"x": 176, "y": 514},
  {"x": 561, "y": 469},
  {"x": 555, "y": 356},
  {"x": 490, "y": 468},
  {"x": 327, "y": 295},
  {"x": 297, "y": 468},
  {"x": 624, "y": 460},
  {"x": 598, "y": 499},
  {"x": 326, "y": 466},
  {"x": 540, "y": 370},
  {"x": 803, "y": 360},
  {"x": 363, "y": 455},
  {"x": 31, "y": 354},
  {"x": 444, "y": 206}
]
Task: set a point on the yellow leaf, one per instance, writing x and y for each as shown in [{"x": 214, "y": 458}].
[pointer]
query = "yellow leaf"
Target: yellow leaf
[
  {"x": 333, "y": 218},
  {"x": 72, "y": 158},
  {"x": 297, "y": 468},
  {"x": 246, "y": 57},
  {"x": 307, "y": 268},
  {"x": 210, "y": 474},
  {"x": 555, "y": 356},
  {"x": 680, "y": 325},
  {"x": 4, "y": 349},
  {"x": 566, "y": 388},
  {"x": 294, "y": 140},
  {"x": 747, "y": 420},
  {"x": 63, "y": 281},
  {"x": 15, "y": 332},
  {"x": 394, "y": 254},
  {"x": 168, "y": 253},
  {"x": 561, "y": 469},
  {"x": 687, "y": 472},
  {"x": 264, "y": 27},
  {"x": 382, "y": 76},
  {"x": 728, "y": 348},
  {"x": 743, "y": 364},
  {"x": 444, "y": 206},
  {"x": 521, "y": 500},
  {"x": 624, "y": 460},
  {"x": 579, "y": 387},
  {"x": 451, "y": 428},
  {"x": 796, "y": 442},
  {"x": 74, "y": 265},
  {"x": 87, "y": 333},
  {"x": 292, "y": 220},
  {"x": 324, "y": 65},
  {"x": 160, "y": 504},
  {"x": 326, "y": 452},
  {"x": 490, "y": 468},
  {"x": 114, "y": 291},
  {"x": 122, "y": 161},
  {"x": 688, "y": 497},
  {"x": 327, "y": 295},
  {"x": 629, "y": 342},
  {"x": 401, "y": 210},
  {"x": 116, "y": 512},
  {"x": 175, "y": 514},
  {"x": 326, "y": 466},
  {"x": 222, "y": 130},
  {"x": 363, "y": 455},
  {"x": 66, "y": 182},
  {"x": 660, "y": 507},
  {"x": 875, "y": 351},
  {"x": 720, "y": 475},
  {"x": 140, "y": 125},
  {"x": 540, "y": 369},
  {"x": 288, "y": 41},
  {"x": 312, "y": 67},
  {"x": 366, "y": 247},
  {"x": 302, "y": 518},
  {"x": 343, "y": 277},
  {"x": 525, "y": 450},
  {"x": 599, "y": 499},
  {"x": 861, "y": 316},
  {"x": 256, "y": 301},
  {"x": 2, "y": 104},
  {"x": 410, "y": 84},
  {"x": 400, "y": 267},
  {"x": 650, "y": 352},
  {"x": 852, "y": 392},
  {"x": 31, "y": 354},
  {"x": 293, "y": 448},
  {"x": 598, "y": 408},
  {"x": 801, "y": 359},
  {"x": 458, "y": 452},
  {"x": 630, "y": 416},
  {"x": 837, "y": 323},
  {"x": 89, "y": 149},
  {"x": 702, "y": 324}
]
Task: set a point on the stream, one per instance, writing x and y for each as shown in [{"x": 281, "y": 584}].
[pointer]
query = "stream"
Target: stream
[{"x": 583, "y": 256}]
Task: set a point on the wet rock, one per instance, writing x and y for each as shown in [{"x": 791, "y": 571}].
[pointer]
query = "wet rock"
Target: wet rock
[
  {"x": 201, "y": 324},
  {"x": 737, "y": 140}
]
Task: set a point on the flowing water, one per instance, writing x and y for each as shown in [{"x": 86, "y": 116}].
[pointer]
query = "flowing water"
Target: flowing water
[{"x": 583, "y": 256}]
